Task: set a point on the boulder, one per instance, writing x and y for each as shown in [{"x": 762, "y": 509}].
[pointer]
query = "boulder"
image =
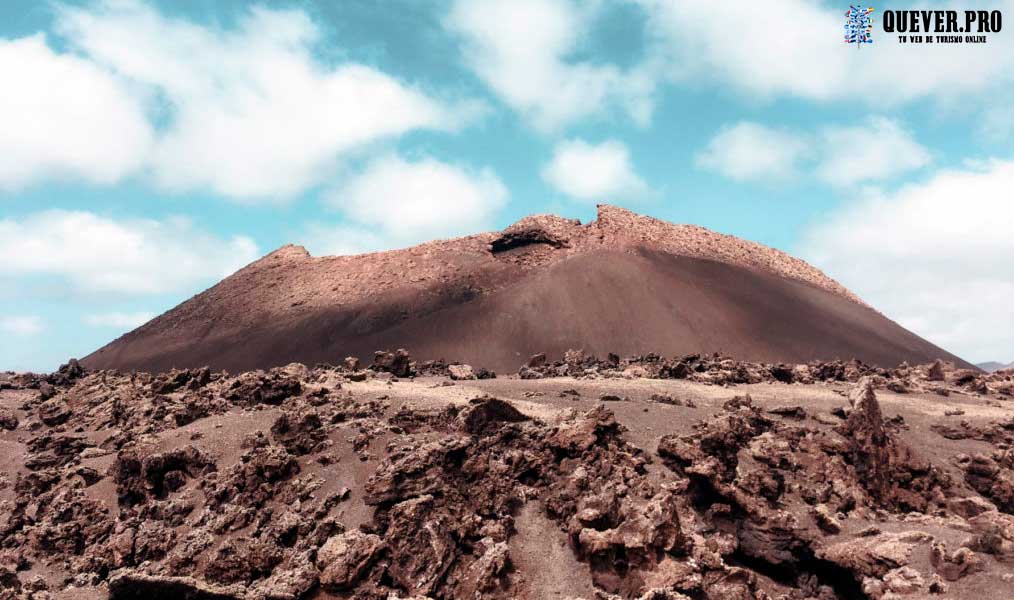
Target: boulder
[
  {"x": 346, "y": 558},
  {"x": 459, "y": 372},
  {"x": 8, "y": 420},
  {"x": 398, "y": 363}
]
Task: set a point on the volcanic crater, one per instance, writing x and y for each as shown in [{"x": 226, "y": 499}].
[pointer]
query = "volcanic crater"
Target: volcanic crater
[{"x": 621, "y": 283}]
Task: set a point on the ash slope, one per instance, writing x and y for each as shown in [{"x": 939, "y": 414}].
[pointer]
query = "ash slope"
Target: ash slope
[{"x": 623, "y": 283}]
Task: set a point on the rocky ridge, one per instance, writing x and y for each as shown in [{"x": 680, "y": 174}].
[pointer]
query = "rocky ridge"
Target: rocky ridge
[{"x": 537, "y": 240}]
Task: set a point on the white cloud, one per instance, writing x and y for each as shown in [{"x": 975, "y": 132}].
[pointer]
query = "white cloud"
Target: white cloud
[
  {"x": 21, "y": 325},
  {"x": 874, "y": 150},
  {"x": 796, "y": 49},
  {"x": 253, "y": 113},
  {"x": 934, "y": 256},
  {"x": 593, "y": 171},
  {"x": 877, "y": 149},
  {"x": 522, "y": 50},
  {"x": 61, "y": 116},
  {"x": 532, "y": 54},
  {"x": 394, "y": 202},
  {"x": 751, "y": 46},
  {"x": 132, "y": 256},
  {"x": 247, "y": 112},
  {"x": 751, "y": 151},
  {"x": 119, "y": 320}
]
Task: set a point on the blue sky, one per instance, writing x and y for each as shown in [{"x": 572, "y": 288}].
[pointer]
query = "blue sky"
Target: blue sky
[{"x": 149, "y": 148}]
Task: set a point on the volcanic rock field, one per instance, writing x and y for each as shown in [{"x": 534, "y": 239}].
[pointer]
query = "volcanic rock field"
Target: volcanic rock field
[{"x": 646, "y": 477}]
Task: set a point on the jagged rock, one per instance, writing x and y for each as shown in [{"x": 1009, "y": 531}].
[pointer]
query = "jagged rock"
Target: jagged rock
[
  {"x": 8, "y": 420},
  {"x": 665, "y": 399},
  {"x": 140, "y": 476},
  {"x": 970, "y": 506},
  {"x": 67, "y": 373},
  {"x": 875, "y": 556},
  {"x": 288, "y": 584},
  {"x": 578, "y": 436},
  {"x": 192, "y": 379},
  {"x": 783, "y": 373},
  {"x": 422, "y": 543},
  {"x": 937, "y": 585},
  {"x": 904, "y": 580},
  {"x": 54, "y": 412},
  {"x": 737, "y": 402},
  {"x": 953, "y": 566},
  {"x": 55, "y": 450},
  {"x": 459, "y": 372},
  {"x": 792, "y": 412},
  {"x": 991, "y": 479},
  {"x": 242, "y": 560},
  {"x": 399, "y": 363},
  {"x": 9, "y": 582},
  {"x": 389, "y": 482},
  {"x": 486, "y": 573},
  {"x": 733, "y": 583},
  {"x": 346, "y": 558},
  {"x": 868, "y": 439},
  {"x": 258, "y": 387},
  {"x": 300, "y": 433},
  {"x": 46, "y": 391},
  {"x": 825, "y": 520},
  {"x": 898, "y": 387},
  {"x": 253, "y": 481},
  {"x": 484, "y": 413},
  {"x": 655, "y": 525},
  {"x": 547, "y": 230},
  {"x": 679, "y": 370},
  {"x": 936, "y": 371},
  {"x": 575, "y": 357},
  {"x": 529, "y": 373}
]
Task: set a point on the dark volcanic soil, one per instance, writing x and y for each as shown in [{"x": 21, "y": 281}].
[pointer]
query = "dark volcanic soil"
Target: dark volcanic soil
[
  {"x": 622, "y": 283},
  {"x": 696, "y": 477}
]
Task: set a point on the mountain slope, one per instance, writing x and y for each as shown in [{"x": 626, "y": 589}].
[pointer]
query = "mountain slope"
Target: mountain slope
[
  {"x": 993, "y": 365},
  {"x": 623, "y": 283}
]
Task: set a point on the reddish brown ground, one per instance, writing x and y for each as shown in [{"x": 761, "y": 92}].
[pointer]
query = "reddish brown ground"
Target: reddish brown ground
[{"x": 699, "y": 477}]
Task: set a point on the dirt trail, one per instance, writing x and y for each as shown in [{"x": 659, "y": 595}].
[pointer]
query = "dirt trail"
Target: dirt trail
[{"x": 543, "y": 559}]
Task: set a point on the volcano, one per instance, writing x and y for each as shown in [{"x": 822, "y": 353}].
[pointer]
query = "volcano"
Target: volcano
[{"x": 623, "y": 283}]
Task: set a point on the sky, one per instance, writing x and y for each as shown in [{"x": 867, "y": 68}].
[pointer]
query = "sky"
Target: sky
[{"x": 147, "y": 149}]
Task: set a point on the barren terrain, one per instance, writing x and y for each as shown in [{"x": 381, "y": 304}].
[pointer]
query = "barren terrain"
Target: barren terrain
[{"x": 648, "y": 477}]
